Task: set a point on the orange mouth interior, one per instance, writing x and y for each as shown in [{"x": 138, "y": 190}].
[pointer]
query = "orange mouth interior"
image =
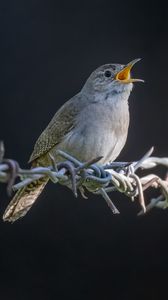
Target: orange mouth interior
[{"x": 124, "y": 75}]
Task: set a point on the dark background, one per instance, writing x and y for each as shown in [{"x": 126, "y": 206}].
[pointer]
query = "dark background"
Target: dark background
[{"x": 68, "y": 248}]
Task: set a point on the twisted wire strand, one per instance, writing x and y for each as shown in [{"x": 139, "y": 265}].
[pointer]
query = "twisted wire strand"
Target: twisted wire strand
[{"x": 117, "y": 176}]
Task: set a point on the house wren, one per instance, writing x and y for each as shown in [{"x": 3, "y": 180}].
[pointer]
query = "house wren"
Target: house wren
[{"x": 91, "y": 124}]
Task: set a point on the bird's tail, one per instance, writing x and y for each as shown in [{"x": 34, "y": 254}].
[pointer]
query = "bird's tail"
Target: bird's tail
[{"x": 24, "y": 199}]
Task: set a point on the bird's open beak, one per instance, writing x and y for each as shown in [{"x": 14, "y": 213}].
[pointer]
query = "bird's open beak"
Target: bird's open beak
[{"x": 124, "y": 75}]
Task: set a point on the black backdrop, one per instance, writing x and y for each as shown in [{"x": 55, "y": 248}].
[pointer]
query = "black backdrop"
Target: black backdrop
[{"x": 68, "y": 248}]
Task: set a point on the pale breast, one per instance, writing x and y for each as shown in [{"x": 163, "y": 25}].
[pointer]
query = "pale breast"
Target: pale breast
[{"x": 99, "y": 131}]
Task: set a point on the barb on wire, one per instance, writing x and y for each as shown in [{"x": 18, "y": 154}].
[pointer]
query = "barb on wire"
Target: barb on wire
[{"x": 94, "y": 178}]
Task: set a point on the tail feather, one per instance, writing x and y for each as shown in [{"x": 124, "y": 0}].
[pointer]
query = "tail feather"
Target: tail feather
[{"x": 23, "y": 200}]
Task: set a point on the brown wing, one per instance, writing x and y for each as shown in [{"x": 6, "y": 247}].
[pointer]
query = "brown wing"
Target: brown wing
[{"x": 61, "y": 123}]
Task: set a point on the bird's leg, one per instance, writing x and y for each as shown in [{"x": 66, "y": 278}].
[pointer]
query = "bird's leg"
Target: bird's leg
[{"x": 53, "y": 162}]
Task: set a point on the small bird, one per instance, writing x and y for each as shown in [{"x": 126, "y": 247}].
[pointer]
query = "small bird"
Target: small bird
[{"x": 91, "y": 124}]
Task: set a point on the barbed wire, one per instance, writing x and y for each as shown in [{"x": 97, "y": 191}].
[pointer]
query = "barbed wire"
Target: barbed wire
[{"x": 92, "y": 177}]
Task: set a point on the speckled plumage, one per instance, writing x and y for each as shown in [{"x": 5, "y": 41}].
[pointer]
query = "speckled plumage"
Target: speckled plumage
[
  {"x": 93, "y": 123},
  {"x": 59, "y": 126}
]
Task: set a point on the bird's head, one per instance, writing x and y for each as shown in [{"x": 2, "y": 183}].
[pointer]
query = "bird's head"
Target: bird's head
[{"x": 112, "y": 78}]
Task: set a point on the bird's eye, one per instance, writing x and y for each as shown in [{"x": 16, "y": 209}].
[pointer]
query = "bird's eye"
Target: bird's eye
[{"x": 107, "y": 73}]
